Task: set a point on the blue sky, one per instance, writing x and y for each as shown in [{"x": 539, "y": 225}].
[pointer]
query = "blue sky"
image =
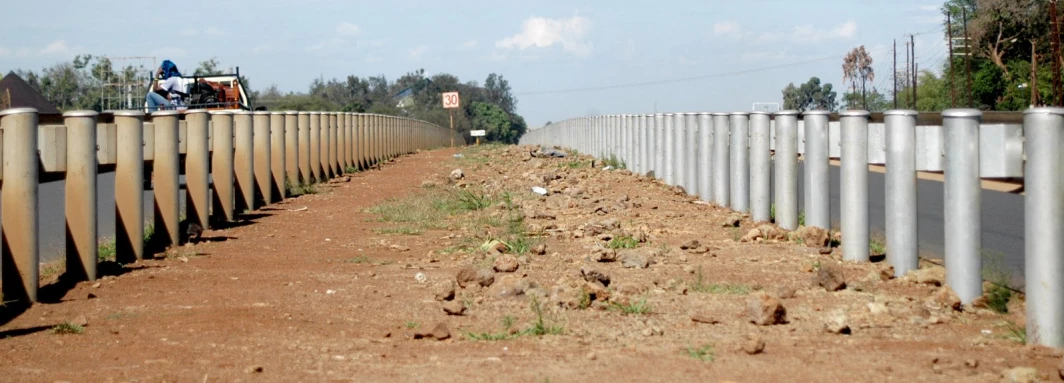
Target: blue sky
[{"x": 544, "y": 48}]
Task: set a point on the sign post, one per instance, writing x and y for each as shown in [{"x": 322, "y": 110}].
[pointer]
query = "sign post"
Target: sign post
[
  {"x": 451, "y": 102},
  {"x": 478, "y": 134}
]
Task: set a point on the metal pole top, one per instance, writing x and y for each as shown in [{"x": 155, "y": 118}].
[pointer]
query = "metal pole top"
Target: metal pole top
[
  {"x": 760, "y": 113},
  {"x": 241, "y": 113},
  {"x": 162, "y": 113},
  {"x": 720, "y": 114},
  {"x": 690, "y": 114},
  {"x": 12, "y": 111},
  {"x": 315, "y": 113},
  {"x": 855, "y": 113},
  {"x": 961, "y": 113},
  {"x": 81, "y": 113},
  {"x": 1044, "y": 110},
  {"x": 302, "y": 113},
  {"x": 789, "y": 112},
  {"x": 262, "y": 113},
  {"x": 195, "y": 111},
  {"x": 901, "y": 112},
  {"x": 221, "y": 112},
  {"x": 817, "y": 113},
  {"x": 129, "y": 113},
  {"x": 667, "y": 114},
  {"x": 740, "y": 114}
]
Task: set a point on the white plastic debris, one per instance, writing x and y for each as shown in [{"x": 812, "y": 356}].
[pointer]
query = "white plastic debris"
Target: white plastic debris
[
  {"x": 421, "y": 278},
  {"x": 539, "y": 190},
  {"x": 459, "y": 155},
  {"x": 609, "y": 167},
  {"x": 330, "y": 292}
]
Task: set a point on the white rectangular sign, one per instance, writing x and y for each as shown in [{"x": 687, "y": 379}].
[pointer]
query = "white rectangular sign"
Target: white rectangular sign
[
  {"x": 450, "y": 100},
  {"x": 477, "y": 133}
]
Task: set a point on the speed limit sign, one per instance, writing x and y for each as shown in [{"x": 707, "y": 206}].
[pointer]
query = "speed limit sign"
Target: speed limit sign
[{"x": 450, "y": 100}]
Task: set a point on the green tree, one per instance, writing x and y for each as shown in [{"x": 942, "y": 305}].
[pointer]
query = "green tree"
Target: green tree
[
  {"x": 494, "y": 121},
  {"x": 809, "y": 96},
  {"x": 857, "y": 68}
]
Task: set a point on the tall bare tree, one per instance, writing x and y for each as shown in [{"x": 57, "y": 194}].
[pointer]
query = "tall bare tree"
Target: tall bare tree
[{"x": 857, "y": 68}]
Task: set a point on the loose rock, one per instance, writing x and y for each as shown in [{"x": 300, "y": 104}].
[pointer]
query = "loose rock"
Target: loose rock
[
  {"x": 454, "y": 308},
  {"x": 830, "y": 278},
  {"x": 703, "y": 318},
  {"x": 814, "y": 236},
  {"x": 786, "y": 292},
  {"x": 540, "y": 249},
  {"x": 754, "y": 344},
  {"x": 837, "y": 323},
  {"x": 466, "y": 277},
  {"x": 769, "y": 232},
  {"x": 445, "y": 291},
  {"x": 690, "y": 245},
  {"x": 506, "y": 264},
  {"x": 765, "y": 310},
  {"x": 593, "y": 275},
  {"x": 439, "y": 332},
  {"x": 485, "y": 277},
  {"x": 457, "y": 174},
  {"x": 602, "y": 254},
  {"x": 80, "y": 320},
  {"x": 945, "y": 297},
  {"x": 1020, "y": 375},
  {"x": 634, "y": 260},
  {"x": 930, "y": 276}
]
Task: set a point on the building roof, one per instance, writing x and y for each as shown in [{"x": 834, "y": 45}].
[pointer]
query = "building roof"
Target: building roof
[{"x": 24, "y": 96}]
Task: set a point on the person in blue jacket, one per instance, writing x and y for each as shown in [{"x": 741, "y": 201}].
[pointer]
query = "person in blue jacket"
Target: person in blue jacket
[{"x": 168, "y": 92}]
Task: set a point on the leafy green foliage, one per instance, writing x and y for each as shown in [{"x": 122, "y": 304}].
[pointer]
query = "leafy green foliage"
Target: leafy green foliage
[
  {"x": 633, "y": 308},
  {"x": 809, "y": 96},
  {"x": 623, "y": 242},
  {"x": 67, "y": 328},
  {"x": 704, "y": 353}
]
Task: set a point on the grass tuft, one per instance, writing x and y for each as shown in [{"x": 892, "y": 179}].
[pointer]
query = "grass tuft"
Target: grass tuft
[
  {"x": 67, "y": 328},
  {"x": 705, "y": 353},
  {"x": 633, "y": 308},
  {"x": 701, "y": 286},
  {"x": 623, "y": 242},
  {"x": 401, "y": 230}
]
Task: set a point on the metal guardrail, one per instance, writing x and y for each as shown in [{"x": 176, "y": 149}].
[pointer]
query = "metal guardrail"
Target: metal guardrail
[
  {"x": 242, "y": 157},
  {"x": 728, "y": 159}
]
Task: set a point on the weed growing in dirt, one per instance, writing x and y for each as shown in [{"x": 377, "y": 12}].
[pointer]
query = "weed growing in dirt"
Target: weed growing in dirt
[
  {"x": 52, "y": 269},
  {"x": 401, "y": 230},
  {"x": 105, "y": 250},
  {"x": 701, "y": 286},
  {"x": 359, "y": 259},
  {"x": 801, "y": 218},
  {"x": 994, "y": 271},
  {"x": 613, "y": 161},
  {"x": 623, "y": 242},
  {"x": 876, "y": 248},
  {"x": 67, "y": 328},
  {"x": 296, "y": 190},
  {"x": 705, "y": 353},
  {"x": 1015, "y": 332},
  {"x": 4, "y": 303},
  {"x": 540, "y": 327},
  {"x": 350, "y": 169},
  {"x": 772, "y": 213},
  {"x": 469, "y": 200},
  {"x": 412, "y": 325},
  {"x": 572, "y": 164},
  {"x": 633, "y": 308}
]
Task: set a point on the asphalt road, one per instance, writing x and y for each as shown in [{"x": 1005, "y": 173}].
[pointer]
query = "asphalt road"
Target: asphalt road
[{"x": 1002, "y": 220}]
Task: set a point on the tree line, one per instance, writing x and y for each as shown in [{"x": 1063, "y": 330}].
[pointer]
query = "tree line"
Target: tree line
[
  {"x": 1005, "y": 56},
  {"x": 87, "y": 83}
]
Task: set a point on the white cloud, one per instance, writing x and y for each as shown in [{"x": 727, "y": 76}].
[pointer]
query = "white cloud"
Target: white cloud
[
  {"x": 348, "y": 30},
  {"x": 469, "y": 44},
  {"x": 58, "y": 47},
  {"x": 570, "y": 33},
  {"x": 417, "y": 52},
  {"x": 727, "y": 29},
  {"x": 4, "y": 52},
  {"x": 811, "y": 34}
]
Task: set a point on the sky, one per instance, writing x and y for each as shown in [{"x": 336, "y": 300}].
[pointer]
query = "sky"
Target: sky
[{"x": 563, "y": 59}]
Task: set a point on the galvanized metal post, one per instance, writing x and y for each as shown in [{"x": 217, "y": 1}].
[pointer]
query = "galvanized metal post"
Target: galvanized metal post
[
  {"x": 643, "y": 139},
  {"x": 129, "y": 186},
  {"x": 81, "y": 191},
  {"x": 166, "y": 171},
  {"x": 315, "y": 147},
  {"x": 740, "y": 165},
  {"x": 679, "y": 150},
  {"x": 222, "y": 165},
  {"x": 197, "y": 168},
  {"x": 262, "y": 156},
  {"x": 667, "y": 149},
  {"x": 721, "y": 159},
  {"x": 306, "y": 175},
  {"x": 343, "y": 123},
  {"x": 963, "y": 243},
  {"x": 277, "y": 157},
  {"x": 786, "y": 169},
  {"x": 853, "y": 196},
  {"x": 1043, "y": 224},
  {"x": 244, "y": 161},
  {"x": 659, "y": 145},
  {"x": 817, "y": 165},
  {"x": 691, "y": 155},
  {"x": 760, "y": 166},
  {"x": 901, "y": 225},
  {"x": 705, "y": 156},
  {"x": 334, "y": 135},
  {"x": 291, "y": 149},
  {"x": 19, "y": 200}
]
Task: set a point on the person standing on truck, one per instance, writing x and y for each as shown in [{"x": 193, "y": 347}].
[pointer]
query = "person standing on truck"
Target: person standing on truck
[{"x": 169, "y": 91}]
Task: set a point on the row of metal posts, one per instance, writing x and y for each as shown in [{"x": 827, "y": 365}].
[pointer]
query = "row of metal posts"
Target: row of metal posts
[
  {"x": 727, "y": 159},
  {"x": 252, "y": 157}
]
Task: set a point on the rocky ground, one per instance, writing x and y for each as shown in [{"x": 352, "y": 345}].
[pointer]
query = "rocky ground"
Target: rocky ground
[{"x": 507, "y": 264}]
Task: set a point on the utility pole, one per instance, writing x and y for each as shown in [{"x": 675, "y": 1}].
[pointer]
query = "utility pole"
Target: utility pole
[
  {"x": 908, "y": 68},
  {"x": 894, "y": 74},
  {"x": 1058, "y": 87},
  {"x": 949, "y": 37},
  {"x": 967, "y": 54},
  {"x": 912, "y": 38}
]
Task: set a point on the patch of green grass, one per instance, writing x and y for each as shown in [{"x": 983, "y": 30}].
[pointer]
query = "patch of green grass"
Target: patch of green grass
[
  {"x": 471, "y": 200},
  {"x": 106, "y": 249},
  {"x": 540, "y": 326},
  {"x": 572, "y": 164},
  {"x": 350, "y": 169},
  {"x": 996, "y": 272},
  {"x": 401, "y": 230},
  {"x": 801, "y": 218},
  {"x": 295, "y": 190},
  {"x": 633, "y": 308},
  {"x": 623, "y": 242},
  {"x": 52, "y": 269},
  {"x": 772, "y": 213},
  {"x": 67, "y": 328},
  {"x": 705, "y": 353},
  {"x": 876, "y": 248},
  {"x": 701, "y": 286},
  {"x": 412, "y": 325},
  {"x": 359, "y": 259},
  {"x": 613, "y": 161}
]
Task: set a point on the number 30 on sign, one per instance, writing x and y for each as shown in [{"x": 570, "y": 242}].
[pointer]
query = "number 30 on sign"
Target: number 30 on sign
[{"x": 450, "y": 100}]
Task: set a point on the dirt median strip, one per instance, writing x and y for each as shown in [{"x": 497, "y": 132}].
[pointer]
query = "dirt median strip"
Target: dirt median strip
[{"x": 417, "y": 272}]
